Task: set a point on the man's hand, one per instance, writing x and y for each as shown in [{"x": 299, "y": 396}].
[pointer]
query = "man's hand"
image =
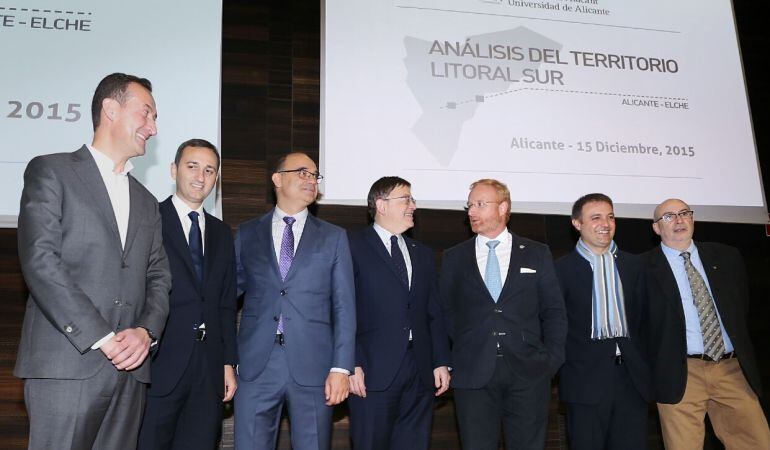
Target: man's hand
[
  {"x": 230, "y": 383},
  {"x": 336, "y": 389},
  {"x": 441, "y": 379},
  {"x": 128, "y": 349},
  {"x": 356, "y": 382}
]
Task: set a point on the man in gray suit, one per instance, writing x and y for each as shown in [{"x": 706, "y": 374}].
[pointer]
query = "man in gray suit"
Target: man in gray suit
[
  {"x": 295, "y": 342},
  {"x": 91, "y": 252}
]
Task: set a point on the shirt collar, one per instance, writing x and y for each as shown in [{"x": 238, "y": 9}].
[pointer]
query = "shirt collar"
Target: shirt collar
[
  {"x": 672, "y": 254},
  {"x": 504, "y": 237},
  {"x": 105, "y": 164},
  {"x": 279, "y": 214},
  {"x": 384, "y": 234},
  {"x": 183, "y": 209}
]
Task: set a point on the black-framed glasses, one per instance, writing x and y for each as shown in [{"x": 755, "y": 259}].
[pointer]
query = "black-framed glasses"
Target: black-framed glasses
[
  {"x": 304, "y": 174},
  {"x": 406, "y": 198},
  {"x": 671, "y": 216},
  {"x": 480, "y": 204}
]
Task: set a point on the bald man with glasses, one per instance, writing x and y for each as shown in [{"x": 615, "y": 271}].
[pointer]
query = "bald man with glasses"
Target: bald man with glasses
[{"x": 700, "y": 353}]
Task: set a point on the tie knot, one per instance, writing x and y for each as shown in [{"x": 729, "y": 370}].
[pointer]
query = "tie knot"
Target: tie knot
[
  {"x": 685, "y": 255},
  {"x": 289, "y": 220},
  {"x": 492, "y": 244},
  {"x": 394, "y": 240},
  {"x": 193, "y": 216}
]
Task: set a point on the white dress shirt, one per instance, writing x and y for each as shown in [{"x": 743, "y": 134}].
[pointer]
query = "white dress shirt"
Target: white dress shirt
[
  {"x": 503, "y": 252},
  {"x": 278, "y": 225},
  {"x": 117, "y": 189},
  {"x": 182, "y": 211},
  {"x": 385, "y": 238},
  {"x": 118, "y": 192}
]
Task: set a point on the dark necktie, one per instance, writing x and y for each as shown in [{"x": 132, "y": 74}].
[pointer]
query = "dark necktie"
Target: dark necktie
[
  {"x": 286, "y": 256},
  {"x": 196, "y": 245},
  {"x": 398, "y": 261},
  {"x": 713, "y": 344}
]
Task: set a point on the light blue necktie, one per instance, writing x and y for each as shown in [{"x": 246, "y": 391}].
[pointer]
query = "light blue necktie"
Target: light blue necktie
[{"x": 492, "y": 273}]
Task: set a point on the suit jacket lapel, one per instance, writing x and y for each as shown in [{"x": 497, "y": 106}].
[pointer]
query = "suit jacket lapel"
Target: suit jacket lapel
[
  {"x": 374, "y": 241},
  {"x": 86, "y": 168},
  {"x": 135, "y": 213},
  {"x": 210, "y": 249},
  {"x": 307, "y": 242},
  {"x": 514, "y": 265},
  {"x": 265, "y": 234},
  {"x": 707, "y": 258},
  {"x": 469, "y": 248},
  {"x": 174, "y": 231},
  {"x": 665, "y": 277},
  {"x": 412, "y": 248}
]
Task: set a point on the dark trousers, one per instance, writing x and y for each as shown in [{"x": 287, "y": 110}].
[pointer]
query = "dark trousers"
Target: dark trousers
[
  {"x": 397, "y": 418},
  {"x": 521, "y": 405},
  {"x": 190, "y": 416},
  {"x": 102, "y": 412},
  {"x": 617, "y": 422}
]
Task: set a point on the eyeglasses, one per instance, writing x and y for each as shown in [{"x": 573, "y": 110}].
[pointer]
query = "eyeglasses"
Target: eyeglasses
[
  {"x": 481, "y": 204},
  {"x": 304, "y": 174},
  {"x": 671, "y": 216},
  {"x": 406, "y": 198}
]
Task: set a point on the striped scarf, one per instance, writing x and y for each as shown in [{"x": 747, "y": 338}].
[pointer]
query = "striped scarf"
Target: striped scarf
[{"x": 608, "y": 314}]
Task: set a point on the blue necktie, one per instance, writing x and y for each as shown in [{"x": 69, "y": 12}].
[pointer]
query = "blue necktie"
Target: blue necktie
[
  {"x": 196, "y": 245},
  {"x": 398, "y": 261},
  {"x": 286, "y": 256},
  {"x": 492, "y": 273}
]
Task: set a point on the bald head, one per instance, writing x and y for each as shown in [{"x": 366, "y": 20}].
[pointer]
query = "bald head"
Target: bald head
[
  {"x": 677, "y": 232},
  {"x": 667, "y": 206}
]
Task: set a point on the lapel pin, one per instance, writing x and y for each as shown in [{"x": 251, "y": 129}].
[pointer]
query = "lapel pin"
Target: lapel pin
[
  {"x": 521, "y": 246},
  {"x": 714, "y": 267}
]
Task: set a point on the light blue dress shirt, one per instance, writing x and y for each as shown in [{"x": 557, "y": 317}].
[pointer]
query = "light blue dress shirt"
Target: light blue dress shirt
[{"x": 694, "y": 335}]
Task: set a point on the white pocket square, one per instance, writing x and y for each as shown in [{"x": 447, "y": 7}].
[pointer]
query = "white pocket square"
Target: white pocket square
[{"x": 527, "y": 270}]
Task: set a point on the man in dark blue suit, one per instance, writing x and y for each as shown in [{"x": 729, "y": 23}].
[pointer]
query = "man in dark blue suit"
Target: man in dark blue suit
[
  {"x": 505, "y": 316},
  {"x": 298, "y": 325},
  {"x": 192, "y": 371},
  {"x": 605, "y": 381},
  {"x": 402, "y": 349}
]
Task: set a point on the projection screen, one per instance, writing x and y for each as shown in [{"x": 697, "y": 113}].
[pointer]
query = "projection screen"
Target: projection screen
[
  {"x": 640, "y": 100},
  {"x": 55, "y": 53}
]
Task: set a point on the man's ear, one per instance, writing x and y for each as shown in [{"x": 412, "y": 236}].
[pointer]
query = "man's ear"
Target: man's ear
[
  {"x": 276, "y": 177},
  {"x": 109, "y": 107},
  {"x": 380, "y": 205}
]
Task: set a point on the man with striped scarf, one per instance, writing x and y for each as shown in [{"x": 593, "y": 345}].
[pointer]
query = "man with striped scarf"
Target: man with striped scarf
[{"x": 604, "y": 380}]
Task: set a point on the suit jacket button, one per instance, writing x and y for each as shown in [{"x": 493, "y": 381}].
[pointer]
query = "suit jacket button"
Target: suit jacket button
[
  {"x": 118, "y": 302},
  {"x": 408, "y": 306},
  {"x": 283, "y": 292},
  {"x": 275, "y": 318},
  {"x": 68, "y": 329}
]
